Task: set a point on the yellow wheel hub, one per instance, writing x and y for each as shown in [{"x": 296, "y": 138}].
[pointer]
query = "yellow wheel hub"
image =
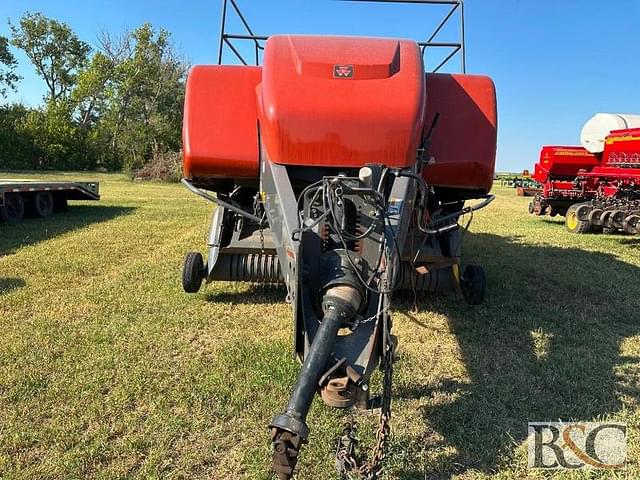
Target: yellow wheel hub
[{"x": 572, "y": 221}]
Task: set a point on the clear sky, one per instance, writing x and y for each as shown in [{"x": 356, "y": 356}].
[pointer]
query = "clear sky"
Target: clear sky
[{"x": 555, "y": 62}]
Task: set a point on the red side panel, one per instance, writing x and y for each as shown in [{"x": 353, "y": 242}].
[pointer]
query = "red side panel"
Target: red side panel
[
  {"x": 464, "y": 140},
  {"x": 220, "y": 134},
  {"x": 622, "y": 148},
  {"x": 563, "y": 163},
  {"x": 341, "y": 101}
]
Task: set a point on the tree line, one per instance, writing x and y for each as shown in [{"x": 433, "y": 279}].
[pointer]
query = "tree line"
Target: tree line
[{"x": 113, "y": 106}]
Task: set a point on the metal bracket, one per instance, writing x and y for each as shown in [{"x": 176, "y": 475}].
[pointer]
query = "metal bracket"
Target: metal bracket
[
  {"x": 227, "y": 39},
  {"x": 487, "y": 199},
  {"x": 229, "y": 206}
]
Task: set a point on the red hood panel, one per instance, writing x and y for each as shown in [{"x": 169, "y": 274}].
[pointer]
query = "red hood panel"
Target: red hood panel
[{"x": 343, "y": 101}]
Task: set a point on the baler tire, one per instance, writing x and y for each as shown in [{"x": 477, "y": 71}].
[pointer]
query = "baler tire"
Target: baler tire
[
  {"x": 531, "y": 208},
  {"x": 573, "y": 223},
  {"x": 193, "y": 272},
  {"x": 13, "y": 210},
  {"x": 42, "y": 204},
  {"x": 473, "y": 284}
]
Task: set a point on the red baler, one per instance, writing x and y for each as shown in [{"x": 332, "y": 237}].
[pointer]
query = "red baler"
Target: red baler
[{"x": 340, "y": 169}]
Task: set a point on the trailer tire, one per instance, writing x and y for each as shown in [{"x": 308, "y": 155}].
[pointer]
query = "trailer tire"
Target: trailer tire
[
  {"x": 60, "y": 203},
  {"x": 573, "y": 223},
  {"x": 41, "y": 204},
  {"x": 531, "y": 208},
  {"x": 473, "y": 284},
  {"x": 193, "y": 272},
  {"x": 13, "y": 210}
]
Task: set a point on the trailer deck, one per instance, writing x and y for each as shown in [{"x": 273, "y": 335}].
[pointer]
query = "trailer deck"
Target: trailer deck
[{"x": 41, "y": 198}]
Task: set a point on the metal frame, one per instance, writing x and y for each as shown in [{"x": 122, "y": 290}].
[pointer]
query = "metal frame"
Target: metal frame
[
  {"x": 457, "y": 6},
  {"x": 80, "y": 190}
]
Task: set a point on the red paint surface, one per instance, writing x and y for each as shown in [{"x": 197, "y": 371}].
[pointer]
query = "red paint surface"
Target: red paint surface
[
  {"x": 565, "y": 170},
  {"x": 620, "y": 164},
  {"x": 464, "y": 140},
  {"x": 310, "y": 117},
  {"x": 558, "y": 162},
  {"x": 622, "y": 149},
  {"x": 220, "y": 135}
]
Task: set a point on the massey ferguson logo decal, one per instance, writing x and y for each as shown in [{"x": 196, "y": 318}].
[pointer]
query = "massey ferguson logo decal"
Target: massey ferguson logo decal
[{"x": 342, "y": 71}]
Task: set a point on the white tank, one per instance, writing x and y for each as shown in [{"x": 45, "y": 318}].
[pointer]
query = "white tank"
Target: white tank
[{"x": 601, "y": 124}]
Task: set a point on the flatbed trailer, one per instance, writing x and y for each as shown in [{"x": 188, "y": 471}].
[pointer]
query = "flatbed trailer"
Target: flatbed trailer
[{"x": 38, "y": 198}]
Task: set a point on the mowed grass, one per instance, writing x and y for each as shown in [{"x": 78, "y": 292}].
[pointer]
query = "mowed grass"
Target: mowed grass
[{"x": 109, "y": 370}]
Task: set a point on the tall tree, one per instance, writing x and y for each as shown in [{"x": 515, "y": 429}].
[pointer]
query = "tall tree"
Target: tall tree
[
  {"x": 8, "y": 64},
  {"x": 54, "y": 49},
  {"x": 118, "y": 107},
  {"x": 145, "y": 96},
  {"x": 90, "y": 92}
]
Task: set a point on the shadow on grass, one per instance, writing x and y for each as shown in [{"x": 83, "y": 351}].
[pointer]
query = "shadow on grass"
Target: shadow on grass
[
  {"x": 545, "y": 346},
  {"x": 557, "y": 220},
  {"x": 633, "y": 241},
  {"x": 33, "y": 230},
  {"x": 248, "y": 293},
  {"x": 7, "y": 285}
]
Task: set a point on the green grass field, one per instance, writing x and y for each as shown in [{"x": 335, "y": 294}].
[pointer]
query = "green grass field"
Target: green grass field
[{"x": 109, "y": 370}]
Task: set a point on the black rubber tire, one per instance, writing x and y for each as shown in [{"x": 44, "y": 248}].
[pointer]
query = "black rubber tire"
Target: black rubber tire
[
  {"x": 573, "y": 223},
  {"x": 605, "y": 219},
  {"x": 531, "y": 208},
  {"x": 13, "y": 210},
  {"x": 631, "y": 224},
  {"x": 60, "y": 203},
  {"x": 473, "y": 284},
  {"x": 594, "y": 217},
  {"x": 193, "y": 272},
  {"x": 583, "y": 210},
  {"x": 617, "y": 219},
  {"x": 41, "y": 204}
]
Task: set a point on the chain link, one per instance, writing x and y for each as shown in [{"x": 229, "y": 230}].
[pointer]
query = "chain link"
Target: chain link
[
  {"x": 373, "y": 317},
  {"x": 372, "y": 469}
]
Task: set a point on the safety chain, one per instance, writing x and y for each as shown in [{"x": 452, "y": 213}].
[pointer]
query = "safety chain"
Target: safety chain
[
  {"x": 345, "y": 459},
  {"x": 372, "y": 318}
]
